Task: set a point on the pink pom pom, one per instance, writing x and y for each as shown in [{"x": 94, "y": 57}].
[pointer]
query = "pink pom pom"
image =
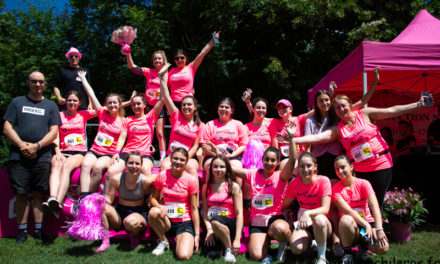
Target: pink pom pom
[
  {"x": 253, "y": 154},
  {"x": 88, "y": 221}
]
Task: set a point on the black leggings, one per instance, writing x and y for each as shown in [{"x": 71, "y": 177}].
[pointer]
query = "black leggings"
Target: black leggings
[{"x": 380, "y": 180}]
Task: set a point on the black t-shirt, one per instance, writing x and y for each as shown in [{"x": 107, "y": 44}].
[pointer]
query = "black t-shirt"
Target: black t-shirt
[
  {"x": 32, "y": 121},
  {"x": 68, "y": 80}
]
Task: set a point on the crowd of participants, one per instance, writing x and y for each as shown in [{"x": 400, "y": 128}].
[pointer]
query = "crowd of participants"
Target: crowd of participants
[{"x": 322, "y": 177}]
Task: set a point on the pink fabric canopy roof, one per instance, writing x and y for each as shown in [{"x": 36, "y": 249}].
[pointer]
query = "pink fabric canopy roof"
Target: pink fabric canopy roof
[{"x": 409, "y": 64}]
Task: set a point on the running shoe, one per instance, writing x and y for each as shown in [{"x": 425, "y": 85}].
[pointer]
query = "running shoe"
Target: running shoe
[
  {"x": 160, "y": 248},
  {"x": 229, "y": 256},
  {"x": 281, "y": 253},
  {"x": 338, "y": 251},
  {"x": 321, "y": 260},
  {"x": 347, "y": 259},
  {"x": 22, "y": 237}
]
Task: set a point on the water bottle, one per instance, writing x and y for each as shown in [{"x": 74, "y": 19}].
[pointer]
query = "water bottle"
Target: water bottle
[{"x": 267, "y": 259}]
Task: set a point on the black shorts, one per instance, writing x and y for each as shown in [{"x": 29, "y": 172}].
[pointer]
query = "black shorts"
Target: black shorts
[
  {"x": 264, "y": 229},
  {"x": 71, "y": 153},
  {"x": 178, "y": 228},
  {"x": 125, "y": 211},
  {"x": 124, "y": 154},
  {"x": 27, "y": 176},
  {"x": 231, "y": 223},
  {"x": 99, "y": 155}
]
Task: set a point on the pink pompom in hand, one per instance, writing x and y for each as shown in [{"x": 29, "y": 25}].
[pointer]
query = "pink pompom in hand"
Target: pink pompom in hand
[{"x": 124, "y": 37}]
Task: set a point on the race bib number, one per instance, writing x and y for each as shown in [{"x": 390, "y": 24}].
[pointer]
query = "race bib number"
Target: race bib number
[
  {"x": 260, "y": 220},
  {"x": 177, "y": 144},
  {"x": 362, "y": 152},
  {"x": 104, "y": 140},
  {"x": 154, "y": 94},
  {"x": 262, "y": 201},
  {"x": 225, "y": 148},
  {"x": 73, "y": 140},
  {"x": 175, "y": 210},
  {"x": 217, "y": 210}
]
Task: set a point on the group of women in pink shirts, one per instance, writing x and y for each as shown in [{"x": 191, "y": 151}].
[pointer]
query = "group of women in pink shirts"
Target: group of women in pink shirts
[{"x": 296, "y": 148}]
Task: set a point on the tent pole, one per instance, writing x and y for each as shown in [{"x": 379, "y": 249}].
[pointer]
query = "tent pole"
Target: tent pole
[{"x": 365, "y": 84}]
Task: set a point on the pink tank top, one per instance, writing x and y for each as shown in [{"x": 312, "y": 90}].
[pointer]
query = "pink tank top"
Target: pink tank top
[
  {"x": 220, "y": 203},
  {"x": 363, "y": 144}
]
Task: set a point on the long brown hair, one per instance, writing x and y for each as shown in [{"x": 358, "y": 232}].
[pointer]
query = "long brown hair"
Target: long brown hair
[
  {"x": 121, "y": 111},
  {"x": 228, "y": 176}
]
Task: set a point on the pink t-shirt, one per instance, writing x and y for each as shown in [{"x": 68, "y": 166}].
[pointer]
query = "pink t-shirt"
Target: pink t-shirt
[
  {"x": 267, "y": 194},
  {"x": 152, "y": 85},
  {"x": 220, "y": 203},
  {"x": 140, "y": 133},
  {"x": 309, "y": 195},
  {"x": 261, "y": 132},
  {"x": 183, "y": 134},
  {"x": 363, "y": 142},
  {"x": 226, "y": 136},
  {"x": 108, "y": 133},
  {"x": 73, "y": 130},
  {"x": 277, "y": 126},
  {"x": 357, "y": 197},
  {"x": 181, "y": 82},
  {"x": 177, "y": 194}
]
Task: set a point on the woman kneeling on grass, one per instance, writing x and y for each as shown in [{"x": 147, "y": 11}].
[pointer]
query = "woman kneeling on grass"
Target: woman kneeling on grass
[
  {"x": 352, "y": 196},
  {"x": 222, "y": 210},
  {"x": 314, "y": 195},
  {"x": 267, "y": 188},
  {"x": 179, "y": 216},
  {"x": 130, "y": 213}
]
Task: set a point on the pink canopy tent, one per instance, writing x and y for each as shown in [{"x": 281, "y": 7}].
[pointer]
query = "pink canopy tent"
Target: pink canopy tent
[{"x": 410, "y": 64}]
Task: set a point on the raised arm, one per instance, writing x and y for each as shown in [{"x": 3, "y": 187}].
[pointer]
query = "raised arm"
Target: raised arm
[
  {"x": 130, "y": 62},
  {"x": 288, "y": 169},
  {"x": 238, "y": 171},
  {"x": 198, "y": 60},
  {"x": 164, "y": 92},
  {"x": 366, "y": 97},
  {"x": 327, "y": 136},
  {"x": 89, "y": 90},
  {"x": 375, "y": 114}
]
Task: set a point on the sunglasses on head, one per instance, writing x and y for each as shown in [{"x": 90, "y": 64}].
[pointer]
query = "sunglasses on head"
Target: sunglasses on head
[{"x": 179, "y": 58}]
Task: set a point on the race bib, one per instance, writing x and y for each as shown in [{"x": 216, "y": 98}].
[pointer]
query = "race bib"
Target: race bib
[
  {"x": 225, "y": 148},
  {"x": 300, "y": 213},
  {"x": 262, "y": 201},
  {"x": 260, "y": 220},
  {"x": 175, "y": 210},
  {"x": 153, "y": 94},
  {"x": 362, "y": 152},
  {"x": 217, "y": 210},
  {"x": 360, "y": 211},
  {"x": 73, "y": 140},
  {"x": 177, "y": 144},
  {"x": 104, "y": 140}
]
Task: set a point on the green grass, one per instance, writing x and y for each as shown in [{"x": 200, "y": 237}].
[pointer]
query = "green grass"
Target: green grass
[{"x": 425, "y": 245}]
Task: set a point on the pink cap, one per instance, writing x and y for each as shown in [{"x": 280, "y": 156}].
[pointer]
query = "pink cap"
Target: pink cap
[
  {"x": 73, "y": 50},
  {"x": 283, "y": 102}
]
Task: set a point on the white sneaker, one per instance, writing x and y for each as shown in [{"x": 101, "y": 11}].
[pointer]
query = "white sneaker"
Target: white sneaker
[
  {"x": 314, "y": 245},
  {"x": 160, "y": 248},
  {"x": 347, "y": 259},
  {"x": 321, "y": 260},
  {"x": 229, "y": 256}
]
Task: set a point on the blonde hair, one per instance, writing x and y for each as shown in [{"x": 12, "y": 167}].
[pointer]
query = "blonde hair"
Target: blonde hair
[
  {"x": 161, "y": 52},
  {"x": 343, "y": 97}
]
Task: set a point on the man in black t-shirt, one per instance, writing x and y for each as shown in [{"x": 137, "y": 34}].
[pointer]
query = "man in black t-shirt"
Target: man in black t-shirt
[
  {"x": 67, "y": 80},
  {"x": 31, "y": 124}
]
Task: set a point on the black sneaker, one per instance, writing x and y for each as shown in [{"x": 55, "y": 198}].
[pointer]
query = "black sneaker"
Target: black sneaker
[
  {"x": 38, "y": 234},
  {"x": 22, "y": 237},
  {"x": 54, "y": 208}
]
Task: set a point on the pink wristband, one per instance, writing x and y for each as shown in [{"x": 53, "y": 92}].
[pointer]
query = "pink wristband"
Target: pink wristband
[{"x": 117, "y": 152}]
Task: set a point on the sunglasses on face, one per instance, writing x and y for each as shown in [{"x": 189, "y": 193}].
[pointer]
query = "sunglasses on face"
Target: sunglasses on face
[
  {"x": 73, "y": 56},
  {"x": 179, "y": 58},
  {"x": 37, "y": 81}
]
